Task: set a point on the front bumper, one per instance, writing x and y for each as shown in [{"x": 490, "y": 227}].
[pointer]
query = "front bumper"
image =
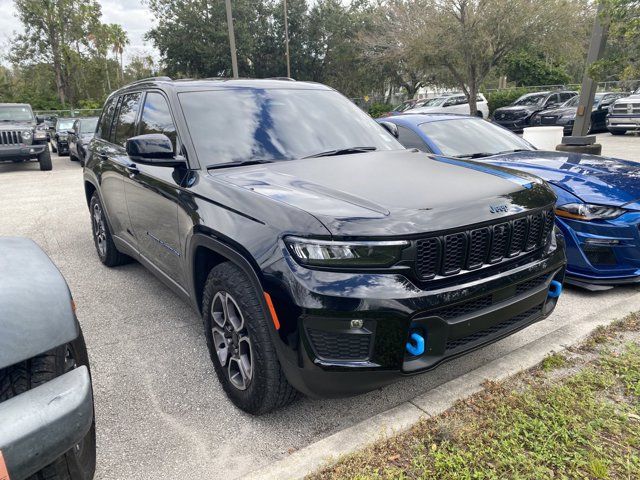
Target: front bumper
[
  {"x": 325, "y": 354},
  {"x": 21, "y": 151},
  {"x": 42, "y": 424},
  {"x": 628, "y": 122},
  {"x": 605, "y": 252}
]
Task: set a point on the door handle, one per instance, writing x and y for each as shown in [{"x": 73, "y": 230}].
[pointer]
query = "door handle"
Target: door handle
[{"x": 132, "y": 168}]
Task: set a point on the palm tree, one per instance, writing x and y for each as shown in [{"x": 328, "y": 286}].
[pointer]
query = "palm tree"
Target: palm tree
[{"x": 119, "y": 39}]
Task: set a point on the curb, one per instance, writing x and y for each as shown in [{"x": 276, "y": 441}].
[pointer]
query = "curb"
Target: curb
[{"x": 327, "y": 451}]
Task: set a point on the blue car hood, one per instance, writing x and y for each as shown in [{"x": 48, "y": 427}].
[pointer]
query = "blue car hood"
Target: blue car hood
[{"x": 593, "y": 179}]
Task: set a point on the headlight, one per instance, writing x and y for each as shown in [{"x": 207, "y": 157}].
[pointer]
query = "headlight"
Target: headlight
[
  {"x": 587, "y": 212},
  {"x": 26, "y": 135},
  {"x": 327, "y": 253}
]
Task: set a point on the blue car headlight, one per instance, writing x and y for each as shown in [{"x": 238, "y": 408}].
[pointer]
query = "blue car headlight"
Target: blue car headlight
[{"x": 588, "y": 211}]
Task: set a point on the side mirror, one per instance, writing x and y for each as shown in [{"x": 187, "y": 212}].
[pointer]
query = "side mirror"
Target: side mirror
[
  {"x": 390, "y": 127},
  {"x": 39, "y": 119},
  {"x": 153, "y": 149}
]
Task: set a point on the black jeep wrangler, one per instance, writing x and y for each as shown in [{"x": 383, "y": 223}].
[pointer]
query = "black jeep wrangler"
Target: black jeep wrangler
[
  {"x": 323, "y": 256},
  {"x": 47, "y": 428},
  {"x": 21, "y": 138}
]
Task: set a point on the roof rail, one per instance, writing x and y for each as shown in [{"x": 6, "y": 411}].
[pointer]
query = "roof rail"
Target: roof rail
[
  {"x": 289, "y": 79},
  {"x": 149, "y": 79}
]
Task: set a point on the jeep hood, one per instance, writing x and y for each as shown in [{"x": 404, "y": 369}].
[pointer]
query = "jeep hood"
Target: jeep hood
[
  {"x": 517, "y": 108},
  {"x": 399, "y": 192},
  {"x": 36, "y": 313},
  {"x": 593, "y": 179},
  {"x": 4, "y": 126}
]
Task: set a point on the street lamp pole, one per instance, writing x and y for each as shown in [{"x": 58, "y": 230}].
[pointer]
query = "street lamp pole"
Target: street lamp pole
[
  {"x": 286, "y": 39},
  {"x": 232, "y": 40}
]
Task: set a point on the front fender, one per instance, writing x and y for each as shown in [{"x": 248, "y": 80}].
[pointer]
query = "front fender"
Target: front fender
[{"x": 36, "y": 309}]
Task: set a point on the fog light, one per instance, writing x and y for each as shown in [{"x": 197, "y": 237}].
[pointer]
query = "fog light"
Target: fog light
[
  {"x": 602, "y": 241},
  {"x": 357, "y": 323}
]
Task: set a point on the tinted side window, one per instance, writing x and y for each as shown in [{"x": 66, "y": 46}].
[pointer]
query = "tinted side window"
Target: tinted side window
[
  {"x": 552, "y": 99},
  {"x": 409, "y": 139},
  {"x": 156, "y": 117},
  {"x": 566, "y": 96},
  {"x": 105, "y": 120},
  {"x": 125, "y": 126}
]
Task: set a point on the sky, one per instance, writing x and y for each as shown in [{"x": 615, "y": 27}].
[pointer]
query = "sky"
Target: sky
[{"x": 134, "y": 17}]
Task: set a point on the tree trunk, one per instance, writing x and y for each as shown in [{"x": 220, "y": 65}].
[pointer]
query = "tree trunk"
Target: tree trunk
[
  {"x": 473, "y": 97},
  {"x": 57, "y": 67},
  {"x": 106, "y": 67}
]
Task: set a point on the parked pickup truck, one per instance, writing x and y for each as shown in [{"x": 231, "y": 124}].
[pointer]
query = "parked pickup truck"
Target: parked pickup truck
[
  {"x": 21, "y": 138},
  {"x": 46, "y": 404},
  {"x": 323, "y": 256},
  {"x": 624, "y": 114}
]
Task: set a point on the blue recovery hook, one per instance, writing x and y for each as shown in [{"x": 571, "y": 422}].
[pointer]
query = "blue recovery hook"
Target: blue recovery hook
[
  {"x": 418, "y": 348},
  {"x": 555, "y": 289}
]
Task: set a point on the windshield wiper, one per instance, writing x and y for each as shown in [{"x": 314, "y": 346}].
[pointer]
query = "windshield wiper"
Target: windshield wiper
[
  {"x": 476, "y": 155},
  {"x": 239, "y": 163},
  {"x": 342, "y": 151},
  {"x": 513, "y": 151}
]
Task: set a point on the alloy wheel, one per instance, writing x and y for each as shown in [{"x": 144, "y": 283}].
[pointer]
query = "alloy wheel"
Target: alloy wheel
[
  {"x": 231, "y": 340},
  {"x": 99, "y": 230}
]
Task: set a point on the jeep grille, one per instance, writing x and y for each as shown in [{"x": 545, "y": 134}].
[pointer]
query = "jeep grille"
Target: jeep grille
[
  {"x": 10, "y": 138},
  {"x": 471, "y": 249}
]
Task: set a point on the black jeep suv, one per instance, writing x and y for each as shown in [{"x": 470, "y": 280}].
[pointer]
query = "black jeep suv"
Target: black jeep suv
[
  {"x": 323, "y": 257},
  {"x": 21, "y": 139}
]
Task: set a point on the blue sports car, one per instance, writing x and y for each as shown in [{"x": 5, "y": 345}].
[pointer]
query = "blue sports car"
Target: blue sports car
[{"x": 598, "y": 207}]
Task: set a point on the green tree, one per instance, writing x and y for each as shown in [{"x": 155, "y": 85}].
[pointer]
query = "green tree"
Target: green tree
[
  {"x": 51, "y": 27},
  {"x": 527, "y": 67},
  {"x": 623, "y": 49},
  {"x": 463, "y": 41}
]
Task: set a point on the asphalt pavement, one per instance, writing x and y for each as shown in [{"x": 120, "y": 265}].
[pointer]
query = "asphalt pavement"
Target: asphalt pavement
[{"x": 160, "y": 412}]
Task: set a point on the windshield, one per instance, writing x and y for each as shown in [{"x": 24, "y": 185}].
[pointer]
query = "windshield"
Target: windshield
[
  {"x": 88, "y": 125},
  {"x": 16, "y": 113},
  {"x": 531, "y": 99},
  {"x": 403, "y": 106},
  {"x": 463, "y": 137},
  {"x": 64, "y": 125},
  {"x": 253, "y": 124},
  {"x": 435, "y": 102},
  {"x": 573, "y": 101}
]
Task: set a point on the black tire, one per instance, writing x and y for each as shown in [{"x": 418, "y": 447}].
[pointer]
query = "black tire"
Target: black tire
[
  {"x": 79, "y": 463},
  {"x": 102, "y": 239},
  {"x": 53, "y": 147},
  {"x": 44, "y": 159},
  {"x": 268, "y": 388},
  {"x": 479, "y": 114},
  {"x": 618, "y": 132}
]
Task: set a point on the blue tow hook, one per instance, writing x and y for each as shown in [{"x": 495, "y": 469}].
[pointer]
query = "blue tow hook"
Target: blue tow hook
[
  {"x": 555, "y": 289},
  {"x": 418, "y": 348}
]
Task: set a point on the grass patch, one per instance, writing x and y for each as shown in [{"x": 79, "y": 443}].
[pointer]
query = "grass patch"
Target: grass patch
[
  {"x": 582, "y": 425},
  {"x": 553, "y": 362}
]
